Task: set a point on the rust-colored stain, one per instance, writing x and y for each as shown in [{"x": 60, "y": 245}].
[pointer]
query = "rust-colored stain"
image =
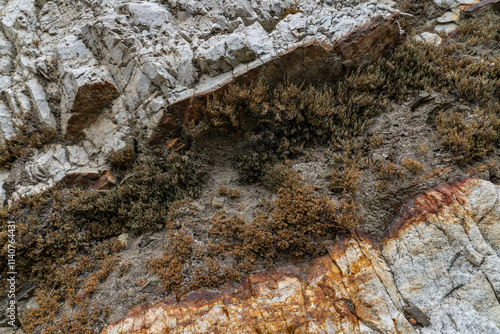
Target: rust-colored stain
[
  {"x": 430, "y": 202},
  {"x": 328, "y": 289},
  {"x": 89, "y": 101}
]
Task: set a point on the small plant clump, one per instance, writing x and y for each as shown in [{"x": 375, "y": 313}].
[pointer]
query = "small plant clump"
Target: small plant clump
[
  {"x": 229, "y": 192},
  {"x": 123, "y": 158},
  {"x": 20, "y": 144},
  {"x": 470, "y": 135},
  {"x": 291, "y": 9},
  {"x": 412, "y": 166},
  {"x": 280, "y": 122}
]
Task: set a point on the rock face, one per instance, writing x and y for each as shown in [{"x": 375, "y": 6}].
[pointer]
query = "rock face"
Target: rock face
[
  {"x": 96, "y": 72},
  {"x": 436, "y": 271}
]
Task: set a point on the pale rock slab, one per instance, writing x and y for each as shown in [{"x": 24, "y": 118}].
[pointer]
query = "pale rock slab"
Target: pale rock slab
[
  {"x": 7, "y": 129},
  {"x": 41, "y": 105},
  {"x": 448, "y": 17},
  {"x": 429, "y": 38},
  {"x": 446, "y": 28}
]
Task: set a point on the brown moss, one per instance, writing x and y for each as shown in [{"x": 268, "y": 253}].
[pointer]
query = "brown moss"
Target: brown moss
[
  {"x": 298, "y": 223},
  {"x": 63, "y": 235},
  {"x": 169, "y": 268},
  {"x": 229, "y": 192},
  {"x": 412, "y": 166},
  {"x": 123, "y": 158},
  {"x": 376, "y": 140},
  {"x": 25, "y": 139},
  {"x": 470, "y": 135},
  {"x": 422, "y": 148}
]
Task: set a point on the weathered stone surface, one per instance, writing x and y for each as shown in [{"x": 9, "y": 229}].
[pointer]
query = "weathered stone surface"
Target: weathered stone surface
[
  {"x": 437, "y": 271},
  {"x": 313, "y": 62},
  {"x": 453, "y": 3},
  {"x": 448, "y": 17},
  {"x": 106, "y": 181},
  {"x": 368, "y": 41},
  {"x": 429, "y": 38},
  {"x": 41, "y": 105},
  {"x": 83, "y": 180},
  {"x": 446, "y": 28},
  {"x": 65, "y": 62},
  {"x": 481, "y": 6}
]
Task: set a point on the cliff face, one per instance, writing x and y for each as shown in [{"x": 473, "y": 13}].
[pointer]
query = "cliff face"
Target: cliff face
[
  {"x": 95, "y": 73},
  {"x": 437, "y": 271},
  {"x": 150, "y": 148}
]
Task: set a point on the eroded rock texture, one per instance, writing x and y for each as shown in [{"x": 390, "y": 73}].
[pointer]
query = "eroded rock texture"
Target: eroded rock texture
[
  {"x": 99, "y": 72},
  {"x": 437, "y": 271}
]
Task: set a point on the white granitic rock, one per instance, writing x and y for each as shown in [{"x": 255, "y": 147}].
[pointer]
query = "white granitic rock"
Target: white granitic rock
[
  {"x": 106, "y": 135},
  {"x": 448, "y": 17},
  {"x": 10, "y": 96},
  {"x": 223, "y": 53},
  {"x": 453, "y": 3},
  {"x": 49, "y": 166},
  {"x": 240, "y": 8},
  {"x": 41, "y": 105},
  {"x": 146, "y": 14},
  {"x": 448, "y": 265},
  {"x": 3, "y": 176},
  {"x": 429, "y": 38},
  {"x": 446, "y": 28},
  {"x": 5, "y": 55},
  {"x": 77, "y": 155},
  {"x": 7, "y": 129}
]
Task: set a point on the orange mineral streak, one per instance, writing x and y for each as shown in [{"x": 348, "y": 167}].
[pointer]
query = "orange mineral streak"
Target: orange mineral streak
[
  {"x": 336, "y": 293},
  {"x": 430, "y": 202}
]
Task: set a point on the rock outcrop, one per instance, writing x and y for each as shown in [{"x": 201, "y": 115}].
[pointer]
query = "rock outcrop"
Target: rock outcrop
[
  {"x": 96, "y": 72},
  {"x": 436, "y": 271}
]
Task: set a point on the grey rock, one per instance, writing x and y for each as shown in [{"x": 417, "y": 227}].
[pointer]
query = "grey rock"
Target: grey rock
[{"x": 41, "y": 105}]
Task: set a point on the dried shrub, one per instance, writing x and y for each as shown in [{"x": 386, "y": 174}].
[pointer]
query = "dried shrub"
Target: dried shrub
[
  {"x": 376, "y": 140},
  {"x": 59, "y": 225},
  {"x": 275, "y": 176},
  {"x": 481, "y": 29},
  {"x": 345, "y": 180},
  {"x": 169, "y": 268},
  {"x": 470, "y": 135},
  {"x": 279, "y": 122},
  {"x": 422, "y": 148},
  {"x": 412, "y": 166},
  {"x": 291, "y": 9},
  {"x": 92, "y": 282},
  {"x": 123, "y": 158},
  {"x": 142, "y": 202},
  {"x": 228, "y": 192},
  {"x": 387, "y": 169}
]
